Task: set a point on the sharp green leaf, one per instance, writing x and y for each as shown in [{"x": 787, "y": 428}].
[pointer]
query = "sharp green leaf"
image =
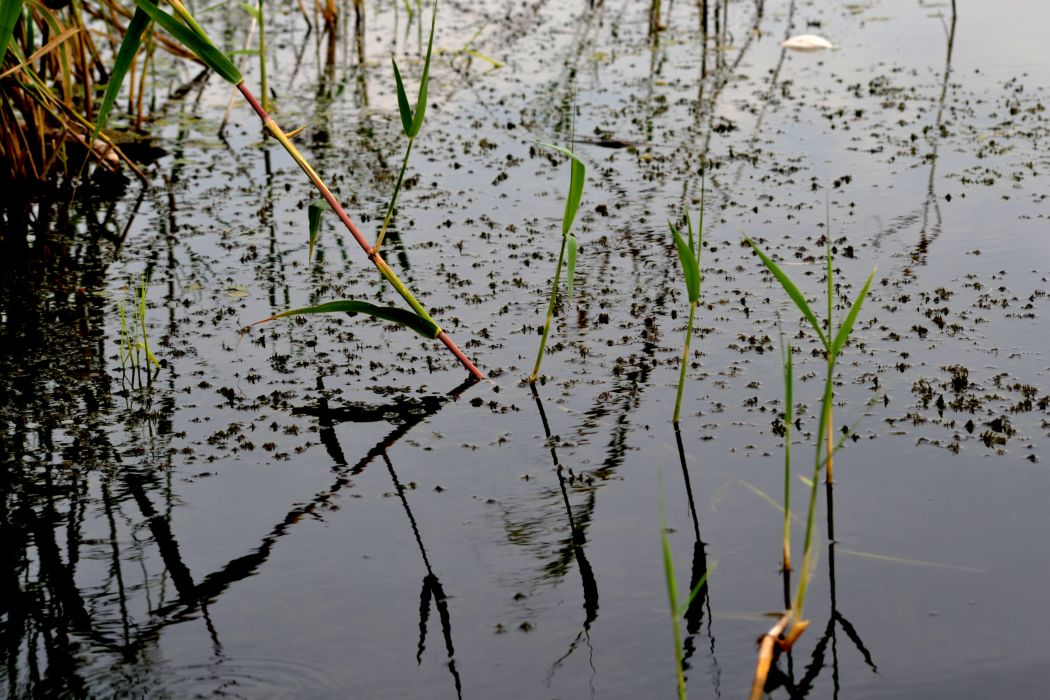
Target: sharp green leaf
[
  {"x": 402, "y": 317},
  {"x": 10, "y": 11},
  {"x": 851, "y": 317},
  {"x": 672, "y": 587},
  {"x": 125, "y": 56},
  {"x": 402, "y": 101},
  {"x": 421, "y": 102},
  {"x": 207, "y": 52},
  {"x": 690, "y": 268},
  {"x": 577, "y": 178},
  {"x": 792, "y": 291},
  {"x": 571, "y": 268},
  {"x": 314, "y": 213},
  {"x": 252, "y": 11},
  {"x": 696, "y": 589}
]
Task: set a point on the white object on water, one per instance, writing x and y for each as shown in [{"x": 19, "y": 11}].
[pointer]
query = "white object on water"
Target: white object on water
[{"x": 807, "y": 42}]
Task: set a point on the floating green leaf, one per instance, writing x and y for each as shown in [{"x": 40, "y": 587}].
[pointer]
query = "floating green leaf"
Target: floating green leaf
[
  {"x": 10, "y": 10},
  {"x": 402, "y": 317},
  {"x": 570, "y": 241},
  {"x": 201, "y": 47},
  {"x": 690, "y": 267},
  {"x": 314, "y": 212},
  {"x": 792, "y": 291}
]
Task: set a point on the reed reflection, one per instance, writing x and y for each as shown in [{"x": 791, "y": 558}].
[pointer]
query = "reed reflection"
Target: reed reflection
[{"x": 701, "y": 604}]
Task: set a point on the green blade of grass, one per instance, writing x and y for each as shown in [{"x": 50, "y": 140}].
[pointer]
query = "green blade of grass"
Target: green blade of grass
[
  {"x": 421, "y": 102},
  {"x": 792, "y": 291},
  {"x": 851, "y": 317},
  {"x": 402, "y": 102},
  {"x": 570, "y": 269},
  {"x": 203, "y": 49},
  {"x": 690, "y": 267},
  {"x": 316, "y": 209},
  {"x": 578, "y": 175},
  {"x": 10, "y": 11},
  {"x": 129, "y": 46},
  {"x": 402, "y": 317},
  {"x": 696, "y": 589}
]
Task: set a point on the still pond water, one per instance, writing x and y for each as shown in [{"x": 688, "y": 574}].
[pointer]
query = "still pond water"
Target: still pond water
[{"x": 323, "y": 509}]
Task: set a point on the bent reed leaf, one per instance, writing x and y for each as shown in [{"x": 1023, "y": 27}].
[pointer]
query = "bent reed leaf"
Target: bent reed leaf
[
  {"x": 578, "y": 175},
  {"x": 690, "y": 268},
  {"x": 402, "y": 317},
  {"x": 316, "y": 209},
  {"x": 201, "y": 47},
  {"x": 792, "y": 291}
]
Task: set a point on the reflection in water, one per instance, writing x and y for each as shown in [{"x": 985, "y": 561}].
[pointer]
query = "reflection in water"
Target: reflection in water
[
  {"x": 818, "y": 661},
  {"x": 432, "y": 589},
  {"x": 577, "y": 539},
  {"x": 701, "y": 604}
]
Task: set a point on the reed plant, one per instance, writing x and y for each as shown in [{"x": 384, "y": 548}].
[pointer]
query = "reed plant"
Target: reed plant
[
  {"x": 689, "y": 257},
  {"x": 833, "y": 342},
  {"x": 185, "y": 29},
  {"x": 569, "y": 246},
  {"x": 134, "y": 337}
]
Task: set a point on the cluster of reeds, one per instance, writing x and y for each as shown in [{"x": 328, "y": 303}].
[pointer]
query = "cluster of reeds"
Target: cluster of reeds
[
  {"x": 134, "y": 348},
  {"x": 51, "y": 69},
  {"x": 793, "y": 623}
]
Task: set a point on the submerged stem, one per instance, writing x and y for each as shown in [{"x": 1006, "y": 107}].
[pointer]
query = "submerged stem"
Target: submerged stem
[
  {"x": 550, "y": 312},
  {"x": 685, "y": 361}
]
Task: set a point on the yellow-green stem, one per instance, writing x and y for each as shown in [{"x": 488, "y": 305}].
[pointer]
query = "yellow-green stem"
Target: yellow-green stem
[
  {"x": 685, "y": 361},
  {"x": 550, "y": 312},
  {"x": 393, "y": 198},
  {"x": 264, "y": 86}
]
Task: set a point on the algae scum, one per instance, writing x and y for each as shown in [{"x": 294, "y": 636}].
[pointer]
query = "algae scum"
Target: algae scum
[{"x": 322, "y": 507}]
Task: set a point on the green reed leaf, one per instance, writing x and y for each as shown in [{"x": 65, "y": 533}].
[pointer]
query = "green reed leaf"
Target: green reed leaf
[
  {"x": 421, "y": 101},
  {"x": 314, "y": 213},
  {"x": 690, "y": 266},
  {"x": 571, "y": 266},
  {"x": 577, "y": 177},
  {"x": 402, "y": 101},
  {"x": 792, "y": 291},
  {"x": 129, "y": 46},
  {"x": 10, "y": 11},
  {"x": 201, "y": 47},
  {"x": 402, "y": 317},
  {"x": 851, "y": 317},
  {"x": 696, "y": 589}
]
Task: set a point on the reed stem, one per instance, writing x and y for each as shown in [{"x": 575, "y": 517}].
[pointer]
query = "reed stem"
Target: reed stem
[
  {"x": 550, "y": 312},
  {"x": 274, "y": 130},
  {"x": 393, "y": 198},
  {"x": 685, "y": 362}
]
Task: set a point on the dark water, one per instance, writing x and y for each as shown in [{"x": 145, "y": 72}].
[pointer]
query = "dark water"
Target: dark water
[{"x": 324, "y": 509}]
